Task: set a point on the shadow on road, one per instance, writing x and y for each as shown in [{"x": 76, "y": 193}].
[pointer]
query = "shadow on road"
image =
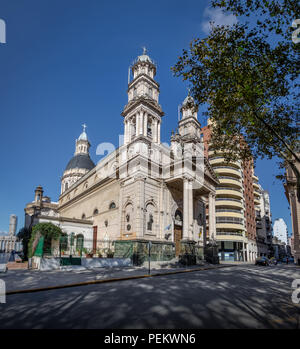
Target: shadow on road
[{"x": 235, "y": 297}]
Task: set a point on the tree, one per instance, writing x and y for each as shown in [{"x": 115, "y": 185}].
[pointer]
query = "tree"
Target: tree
[
  {"x": 248, "y": 74},
  {"x": 24, "y": 235},
  {"x": 48, "y": 230}
]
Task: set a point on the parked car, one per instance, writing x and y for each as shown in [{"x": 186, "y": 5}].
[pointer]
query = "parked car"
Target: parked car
[{"x": 262, "y": 261}]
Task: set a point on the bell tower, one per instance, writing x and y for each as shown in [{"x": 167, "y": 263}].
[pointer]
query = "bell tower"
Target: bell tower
[
  {"x": 142, "y": 114},
  {"x": 189, "y": 126}
]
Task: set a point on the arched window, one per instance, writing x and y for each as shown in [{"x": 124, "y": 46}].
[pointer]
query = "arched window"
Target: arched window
[
  {"x": 150, "y": 217},
  {"x": 149, "y": 130},
  {"x": 72, "y": 238},
  {"x": 112, "y": 205},
  {"x": 178, "y": 215},
  {"x": 83, "y": 216},
  {"x": 66, "y": 186},
  {"x": 96, "y": 211},
  {"x": 79, "y": 242},
  {"x": 128, "y": 217},
  {"x": 150, "y": 222}
]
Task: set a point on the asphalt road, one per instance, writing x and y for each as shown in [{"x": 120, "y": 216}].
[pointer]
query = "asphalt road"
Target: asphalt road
[{"x": 245, "y": 296}]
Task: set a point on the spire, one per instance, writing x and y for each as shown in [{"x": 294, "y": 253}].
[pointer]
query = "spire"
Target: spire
[
  {"x": 83, "y": 135},
  {"x": 82, "y": 143},
  {"x": 189, "y": 107}
]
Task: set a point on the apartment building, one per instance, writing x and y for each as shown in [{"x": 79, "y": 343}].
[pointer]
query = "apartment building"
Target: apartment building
[
  {"x": 263, "y": 219},
  {"x": 235, "y": 205}
]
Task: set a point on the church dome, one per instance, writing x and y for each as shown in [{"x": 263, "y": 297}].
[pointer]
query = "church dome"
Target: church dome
[
  {"x": 82, "y": 161},
  {"x": 83, "y": 136},
  {"x": 144, "y": 57},
  {"x": 189, "y": 100}
]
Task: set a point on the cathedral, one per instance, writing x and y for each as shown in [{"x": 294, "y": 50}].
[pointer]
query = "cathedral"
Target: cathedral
[{"x": 144, "y": 190}]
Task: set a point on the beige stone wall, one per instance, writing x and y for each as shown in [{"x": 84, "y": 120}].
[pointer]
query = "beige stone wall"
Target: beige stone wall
[{"x": 97, "y": 199}]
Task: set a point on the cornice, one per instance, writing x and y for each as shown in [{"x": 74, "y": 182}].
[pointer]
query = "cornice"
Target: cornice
[
  {"x": 150, "y": 103},
  {"x": 143, "y": 77}
]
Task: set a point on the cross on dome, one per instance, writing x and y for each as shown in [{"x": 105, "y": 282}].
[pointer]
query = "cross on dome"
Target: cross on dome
[{"x": 84, "y": 127}]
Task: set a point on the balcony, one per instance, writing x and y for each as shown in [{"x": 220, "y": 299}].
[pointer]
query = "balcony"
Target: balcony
[
  {"x": 225, "y": 219},
  {"x": 256, "y": 186},
  {"x": 228, "y": 170},
  {"x": 220, "y": 160},
  {"x": 233, "y": 223},
  {"x": 225, "y": 235},
  {"x": 258, "y": 225},
  {"x": 229, "y": 202},
  {"x": 232, "y": 233},
  {"x": 230, "y": 180},
  {"x": 256, "y": 201},
  {"x": 229, "y": 213},
  {"x": 229, "y": 191}
]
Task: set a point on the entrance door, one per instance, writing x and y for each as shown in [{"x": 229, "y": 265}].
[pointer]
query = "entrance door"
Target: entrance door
[
  {"x": 95, "y": 230},
  {"x": 177, "y": 238}
]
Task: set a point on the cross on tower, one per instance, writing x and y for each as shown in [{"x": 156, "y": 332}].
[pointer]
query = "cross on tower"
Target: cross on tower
[{"x": 84, "y": 127}]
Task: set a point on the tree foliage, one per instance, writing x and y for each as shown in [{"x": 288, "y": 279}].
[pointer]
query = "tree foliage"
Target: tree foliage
[
  {"x": 48, "y": 230},
  {"x": 248, "y": 74},
  {"x": 24, "y": 235}
]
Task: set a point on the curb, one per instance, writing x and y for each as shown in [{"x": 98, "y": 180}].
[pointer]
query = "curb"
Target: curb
[{"x": 93, "y": 282}]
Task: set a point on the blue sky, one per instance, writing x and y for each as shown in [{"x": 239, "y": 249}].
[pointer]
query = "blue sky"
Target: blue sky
[{"x": 65, "y": 62}]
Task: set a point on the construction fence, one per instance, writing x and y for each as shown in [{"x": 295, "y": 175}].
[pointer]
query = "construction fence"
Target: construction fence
[{"x": 71, "y": 250}]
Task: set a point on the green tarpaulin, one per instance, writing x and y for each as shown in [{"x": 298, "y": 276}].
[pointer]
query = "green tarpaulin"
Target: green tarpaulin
[{"x": 39, "y": 248}]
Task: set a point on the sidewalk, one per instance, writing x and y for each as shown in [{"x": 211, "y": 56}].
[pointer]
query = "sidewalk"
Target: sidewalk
[
  {"x": 236, "y": 263},
  {"x": 17, "y": 280}
]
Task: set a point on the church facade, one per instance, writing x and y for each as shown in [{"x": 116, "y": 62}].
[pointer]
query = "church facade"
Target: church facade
[{"x": 144, "y": 190}]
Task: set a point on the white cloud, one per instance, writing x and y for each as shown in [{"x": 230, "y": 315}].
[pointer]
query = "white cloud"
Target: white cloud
[{"x": 218, "y": 17}]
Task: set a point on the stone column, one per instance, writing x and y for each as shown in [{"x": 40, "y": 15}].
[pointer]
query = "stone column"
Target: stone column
[
  {"x": 140, "y": 218},
  {"x": 125, "y": 132},
  {"x": 121, "y": 218},
  {"x": 145, "y": 123},
  {"x": 155, "y": 131},
  {"x": 212, "y": 217},
  {"x": 185, "y": 209},
  {"x": 158, "y": 133},
  {"x": 141, "y": 128},
  {"x": 137, "y": 124},
  {"x": 247, "y": 251},
  {"x": 214, "y": 214},
  {"x": 191, "y": 210}
]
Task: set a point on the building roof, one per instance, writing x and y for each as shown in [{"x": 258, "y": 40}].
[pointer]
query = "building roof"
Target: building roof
[
  {"x": 82, "y": 161},
  {"x": 83, "y": 136},
  {"x": 189, "y": 100}
]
